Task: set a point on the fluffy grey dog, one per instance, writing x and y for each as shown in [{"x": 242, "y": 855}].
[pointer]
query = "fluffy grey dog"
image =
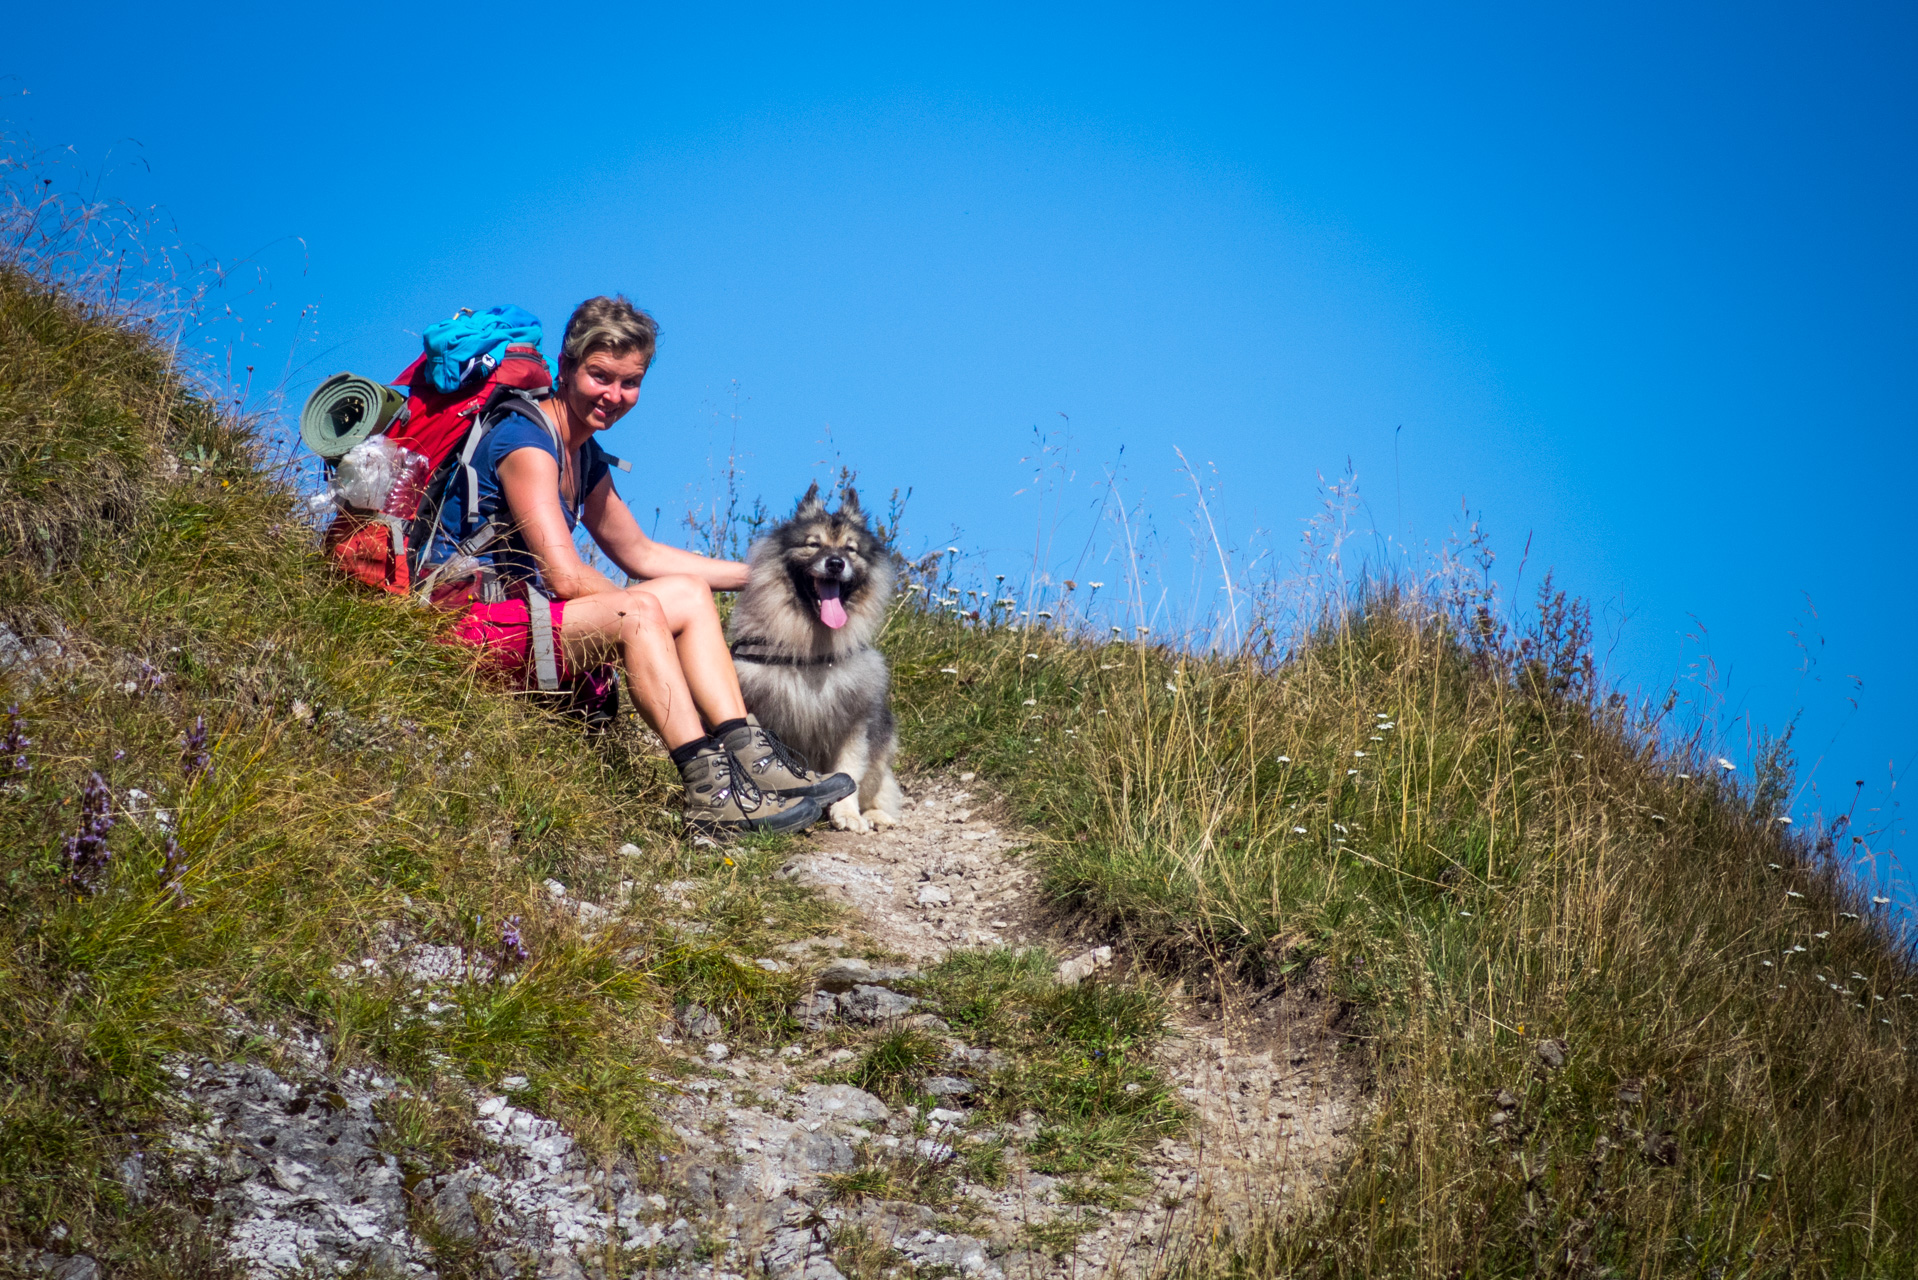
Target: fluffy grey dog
[{"x": 802, "y": 635}]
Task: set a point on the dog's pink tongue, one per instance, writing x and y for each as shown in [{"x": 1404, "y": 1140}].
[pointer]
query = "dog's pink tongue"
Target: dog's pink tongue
[{"x": 831, "y": 611}]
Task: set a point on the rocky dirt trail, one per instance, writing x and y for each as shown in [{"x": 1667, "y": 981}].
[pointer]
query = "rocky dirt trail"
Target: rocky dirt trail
[
  {"x": 1271, "y": 1101},
  {"x": 755, "y": 1180}
]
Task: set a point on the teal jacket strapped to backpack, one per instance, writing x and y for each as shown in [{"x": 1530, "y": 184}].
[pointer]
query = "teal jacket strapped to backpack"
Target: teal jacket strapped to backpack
[{"x": 470, "y": 340}]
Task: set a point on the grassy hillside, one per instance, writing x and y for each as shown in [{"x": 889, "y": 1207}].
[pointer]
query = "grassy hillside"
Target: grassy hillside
[
  {"x": 355, "y": 785},
  {"x": 1486, "y": 855},
  {"x": 1473, "y": 848}
]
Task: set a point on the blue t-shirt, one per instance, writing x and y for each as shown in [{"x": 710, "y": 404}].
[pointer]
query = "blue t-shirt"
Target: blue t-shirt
[{"x": 509, "y": 555}]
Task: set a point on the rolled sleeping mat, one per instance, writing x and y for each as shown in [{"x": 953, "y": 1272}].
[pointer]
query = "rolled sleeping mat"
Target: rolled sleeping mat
[{"x": 346, "y": 409}]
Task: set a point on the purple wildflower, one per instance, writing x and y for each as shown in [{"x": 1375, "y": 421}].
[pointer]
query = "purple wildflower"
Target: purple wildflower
[
  {"x": 174, "y": 869},
  {"x": 13, "y": 746},
  {"x": 87, "y": 851},
  {"x": 512, "y": 948},
  {"x": 152, "y": 675},
  {"x": 193, "y": 754}
]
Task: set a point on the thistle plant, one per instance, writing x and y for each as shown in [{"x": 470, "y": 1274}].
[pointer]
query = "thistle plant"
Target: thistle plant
[
  {"x": 173, "y": 868},
  {"x": 86, "y": 850},
  {"x": 193, "y": 753},
  {"x": 13, "y": 747},
  {"x": 512, "y": 947}
]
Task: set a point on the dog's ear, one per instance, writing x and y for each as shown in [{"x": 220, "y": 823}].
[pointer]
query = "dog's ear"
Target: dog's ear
[
  {"x": 849, "y": 505},
  {"x": 810, "y": 507}
]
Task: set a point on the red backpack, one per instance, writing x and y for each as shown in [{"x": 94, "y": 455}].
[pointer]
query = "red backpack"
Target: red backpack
[{"x": 385, "y": 549}]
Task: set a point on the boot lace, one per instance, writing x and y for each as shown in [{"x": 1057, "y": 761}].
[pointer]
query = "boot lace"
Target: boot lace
[
  {"x": 774, "y": 749},
  {"x": 727, "y": 781}
]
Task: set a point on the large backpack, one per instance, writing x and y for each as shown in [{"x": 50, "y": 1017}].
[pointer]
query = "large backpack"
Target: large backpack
[
  {"x": 391, "y": 548},
  {"x": 387, "y": 549}
]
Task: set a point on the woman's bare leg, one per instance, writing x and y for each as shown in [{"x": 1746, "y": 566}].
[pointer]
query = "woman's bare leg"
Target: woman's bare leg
[
  {"x": 666, "y": 633},
  {"x": 705, "y": 663},
  {"x": 634, "y": 630}
]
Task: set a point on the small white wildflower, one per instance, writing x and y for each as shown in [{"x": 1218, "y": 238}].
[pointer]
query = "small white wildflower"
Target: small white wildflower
[
  {"x": 1822, "y": 934},
  {"x": 1375, "y": 738},
  {"x": 1859, "y": 977},
  {"x": 1341, "y": 828},
  {"x": 1298, "y": 831},
  {"x": 1359, "y": 754},
  {"x": 1173, "y": 687},
  {"x": 1101, "y": 711},
  {"x": 1142, "y": 629},
  {"x": 1880, "y": 902},
  {"x": 1684, "y": 777},
  {"x": 1045, "y": 613},
  {"x": 1578, "y": 755},
  {"x": 1762, "y": 1177},
  {"x": 1108, "y": 666},
  {"x": 1030, "y": 702},
  {"x": 1351, "y": 772},
  {"x": 1774, "y": 866},
  {"x": 948, "y": 671},
  {"x": 1658, "y": 817},
  {"x": 1879, "y": 999},
  {"x": 1117, "y": 631},
  {"x": 1389, "y": 724},
  {"x": 1285, "y": 759},
  {"x": 1095, "y": 585},
  {"x": 1032, "y": 655},
  {"x": 1793, "y": 893},
  {"x": 1847, "y": 915},
  {"x": 952, "y": 551},
  {"x": 1726, "y": 765},
  {"x": 1766, "y": 963},
  {"x": 1465, "y": 913},
  {"x": 1783, "y": 822},
  {"x": 913, "y": 586},
  {"x": 1799, "y": 947}
]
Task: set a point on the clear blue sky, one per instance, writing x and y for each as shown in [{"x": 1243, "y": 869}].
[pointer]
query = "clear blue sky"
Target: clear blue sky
[{"x": 1637, "y": 283}]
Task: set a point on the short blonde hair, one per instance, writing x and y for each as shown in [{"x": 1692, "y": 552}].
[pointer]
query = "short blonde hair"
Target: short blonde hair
[{"x": 608, "y": 324}]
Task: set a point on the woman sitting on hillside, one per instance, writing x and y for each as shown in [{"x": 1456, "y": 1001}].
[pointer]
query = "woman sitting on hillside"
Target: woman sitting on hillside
[{"x": 663, "y": 628}]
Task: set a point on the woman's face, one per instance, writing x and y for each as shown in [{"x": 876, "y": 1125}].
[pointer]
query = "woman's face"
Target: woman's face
[{"x": 602, "y": 387}]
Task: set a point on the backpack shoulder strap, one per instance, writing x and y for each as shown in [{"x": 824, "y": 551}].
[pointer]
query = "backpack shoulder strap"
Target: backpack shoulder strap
[{"x": 505, "y": 402}]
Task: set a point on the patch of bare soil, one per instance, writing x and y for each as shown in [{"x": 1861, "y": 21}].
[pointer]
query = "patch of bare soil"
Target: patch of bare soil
[{"x": 1273, "y": 1097}]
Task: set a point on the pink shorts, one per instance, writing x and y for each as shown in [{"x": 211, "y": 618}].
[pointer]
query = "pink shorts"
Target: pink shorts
[{"x": 504, "y": 635}]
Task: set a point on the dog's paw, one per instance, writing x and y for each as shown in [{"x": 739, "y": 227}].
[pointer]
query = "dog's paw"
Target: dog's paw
[
  {"x": 845, "y": 815},
  {"x": 880, "y": 819}
]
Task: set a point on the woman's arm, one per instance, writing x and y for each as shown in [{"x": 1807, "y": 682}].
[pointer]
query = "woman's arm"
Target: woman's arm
[
  {"x": 530, "y": 480},
  {"x": 619, "y": 536}
]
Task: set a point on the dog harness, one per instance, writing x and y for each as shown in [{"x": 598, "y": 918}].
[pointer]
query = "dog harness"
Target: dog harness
[{"x": 784, "y": 659}]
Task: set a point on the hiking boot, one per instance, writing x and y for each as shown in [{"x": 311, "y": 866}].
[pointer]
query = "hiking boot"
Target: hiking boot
[
  {"x": 721, "y": 800},
  {"x": 778, "y": 770}
]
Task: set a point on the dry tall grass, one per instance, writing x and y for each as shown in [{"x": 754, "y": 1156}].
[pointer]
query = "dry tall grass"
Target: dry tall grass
[{"x": 1488, "y": 855}]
